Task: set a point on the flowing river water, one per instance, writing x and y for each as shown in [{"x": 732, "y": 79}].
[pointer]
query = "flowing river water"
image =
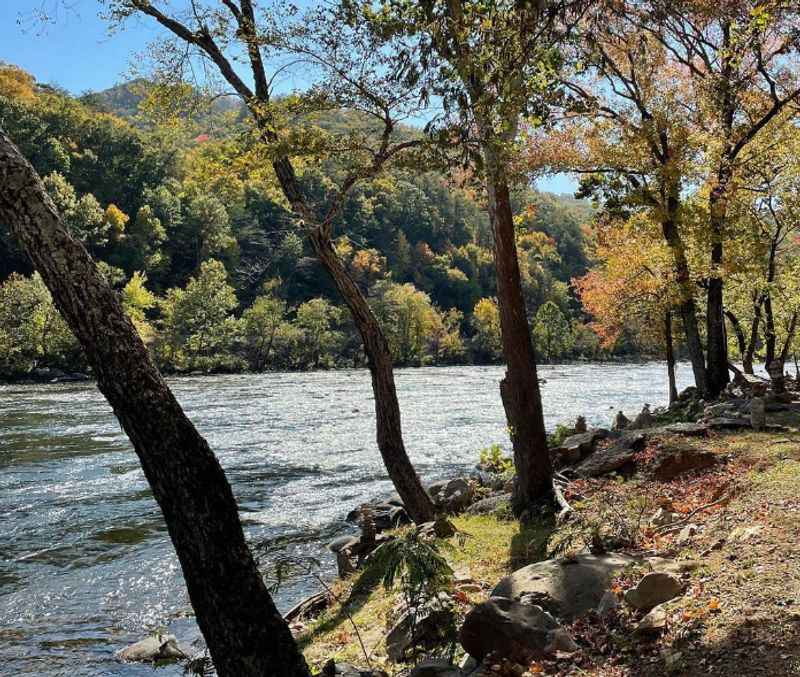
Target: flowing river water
[{"x": 86, "y": 566}]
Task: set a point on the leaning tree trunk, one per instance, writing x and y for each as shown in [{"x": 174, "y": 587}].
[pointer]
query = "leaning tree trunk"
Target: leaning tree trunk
[
  {"x": 417, "y": 502},
  {"x": 519, "y": 389},
  {"x": 670, "y": 355},
  {"x": 387, "y": 408},
  {"x": 245, "y": 633}
]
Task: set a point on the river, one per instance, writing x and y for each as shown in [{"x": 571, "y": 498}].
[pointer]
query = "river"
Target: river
[{"x": 86, "y": 566}]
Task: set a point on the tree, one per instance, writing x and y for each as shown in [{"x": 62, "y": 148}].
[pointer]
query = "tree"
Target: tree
[
  {"x": 262, "y": 322},
  {"x": 136, "y": 301},
  {"x": 316, "y": 320},
  {"x": 220, "y": 36},
  {"x": 486, "y": 322},
  {"x": 198, "y": 329},
  {"x": 32, "y": 333},
  {"x": 552, "y": 332},
  {"x": 490, "y": 63},
  {"x": 83, "y": 216},
  {"x": 409, "y": 320},
  {"x": 742, "y": 61},
  {"x": 145, "y": 236},
  {"x": 15, "y": 83},
  {"x": 631, "y": 131},
  {"x": 631, "y": 290},
  {"x": 245, "y": 633}
]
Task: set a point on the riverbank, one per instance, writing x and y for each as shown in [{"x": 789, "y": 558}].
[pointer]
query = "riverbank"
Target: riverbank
[
  {"x": 734, "y": 549},
  {"x": 84, "y": 539}
]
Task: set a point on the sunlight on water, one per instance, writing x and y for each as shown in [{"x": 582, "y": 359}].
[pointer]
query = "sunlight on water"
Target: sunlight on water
[{"x": 85, "y": 562}]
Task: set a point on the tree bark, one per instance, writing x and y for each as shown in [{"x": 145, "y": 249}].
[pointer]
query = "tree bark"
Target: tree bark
[
  {"x": 519, "y": 389},
  {"x": 245, "y": 633},
  {"x": 717, "y": 345},
  {"x": 670, "y": 355},
  {"x": 417, "y": 502},
  {"x": 687, "y": 308}
]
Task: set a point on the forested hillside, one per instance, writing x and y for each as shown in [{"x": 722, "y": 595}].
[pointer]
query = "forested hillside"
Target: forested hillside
[{"x": 191, "y": 229}]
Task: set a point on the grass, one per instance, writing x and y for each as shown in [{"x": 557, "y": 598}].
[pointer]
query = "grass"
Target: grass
[
  {"x": 484, "y": 550},
  {"x": 741, "y": 610}
]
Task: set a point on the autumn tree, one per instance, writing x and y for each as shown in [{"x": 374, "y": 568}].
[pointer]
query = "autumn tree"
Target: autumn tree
[
  {"x": 244, "y": 631},
  {"x": 627, "y": 130},
  {"x": 742, "y": 61},
  {"x": 631, "y": 288}
]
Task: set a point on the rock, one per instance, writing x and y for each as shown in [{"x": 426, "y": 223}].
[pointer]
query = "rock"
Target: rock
[
  {"x": 688, "y": 429},
  {"x": 157, "y": 647},
  {"x": 452, "y": 496},
  {"x": 580, "y": 425},
  {"x": 655, "y": 621},
  {"x": 643, "y": 420},
  {"x": 440, "y": 528},
  {"x": 339, "y": 544},
  {"x": 687, "y": 533},
  {"x": 424, "y": 626},
  {"x": 618, "y": 456},
  {"x": 663, "y": 518},
  {"x": 438, "y": 667},
  {"x": 488, "y": 505},
  {"x": 568, "y": 588},
  {"x": 508, "y": 629},
  {"x": 654, "y": 589},
  {"x": 742, "y": 534},
  {"x": 577, "y": 447},
  {"x": 620, "y": 422},
  {"x": 468, "y": 665},
  {"x": 676, "y": 461},
  {"x": 608, "y": 603},
  {"x": 561, "y": 642},
  {"x": 385, "y": 516},
  {"x": 333, "y": 669},
  {"x": 723, "y": 423},
  {"x": 758, "y": 413}
]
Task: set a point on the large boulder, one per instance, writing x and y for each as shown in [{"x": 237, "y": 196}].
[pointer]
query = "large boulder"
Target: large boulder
[
  {"x": 452, "y": 496},
  {"x": 156, "y": 648},
  {"x": 577, "y": 447},
  {"x": 384, "y": 515},
  {"x": 508, "y": 629},
  {"x": 677, "y": 460},
  {"x": 655, "y": 588},
  {"x": 616, "y": 457},
  {"x": 568, "y": 588}
]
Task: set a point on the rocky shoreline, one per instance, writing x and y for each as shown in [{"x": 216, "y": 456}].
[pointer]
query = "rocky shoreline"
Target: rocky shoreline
[{"x": 528, "y": 613}]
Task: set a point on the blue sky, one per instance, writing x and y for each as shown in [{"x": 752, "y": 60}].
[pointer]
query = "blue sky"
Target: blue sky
[{"x": 76, "y": 52}]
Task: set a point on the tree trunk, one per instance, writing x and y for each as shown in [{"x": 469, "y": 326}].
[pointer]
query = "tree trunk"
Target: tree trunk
[
  {"x": 387, "y": 408},
  {"x": 520, "y": 388},
  {"x": 747, "y": 358},
  {"x": 245, "y": 633},
  {"x": 737, "y": 330},
  {"x": 687, "y": 308},
  {"x": 670, "y": 355},
  {"x": 717, "y": 344}
]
